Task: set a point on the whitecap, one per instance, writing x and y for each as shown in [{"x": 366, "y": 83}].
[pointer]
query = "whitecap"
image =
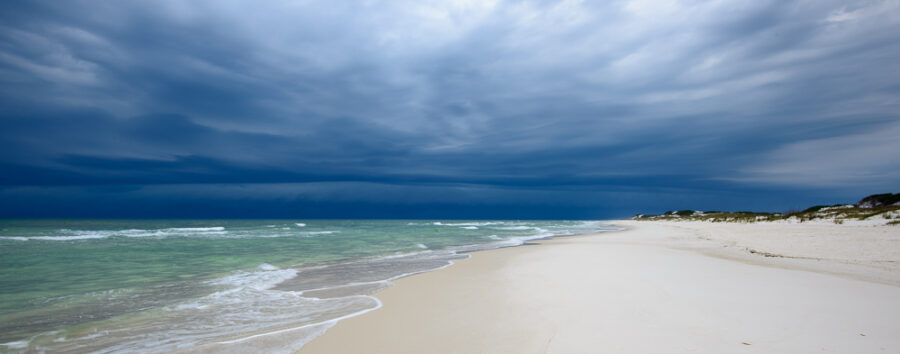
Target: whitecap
[
  {"x": 20, "y": 344},
  {"x": 68, "y": 238},
  {"x": 17, "y": 238},
  {"x": 267, "y": 276},
  {"x": 191, "y": 229},
  {"x": 315, "y": 233},
  {"x": 486, "y": 223},
  {"x": 267, "y": 266},
  {"x": 514, "y": 228}
]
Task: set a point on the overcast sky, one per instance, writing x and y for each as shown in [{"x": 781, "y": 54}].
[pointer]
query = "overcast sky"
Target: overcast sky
[{"x": 445, "y": 109}]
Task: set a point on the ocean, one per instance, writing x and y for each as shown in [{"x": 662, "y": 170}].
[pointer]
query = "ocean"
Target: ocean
[{"x": 218, "y": 285}]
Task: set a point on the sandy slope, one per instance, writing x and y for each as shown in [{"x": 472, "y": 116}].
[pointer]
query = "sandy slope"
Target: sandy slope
[{"x": 654, "y": 288}]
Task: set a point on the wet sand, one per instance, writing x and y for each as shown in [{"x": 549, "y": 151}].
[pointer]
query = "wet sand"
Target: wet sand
[{"x": 658, "y": 287}]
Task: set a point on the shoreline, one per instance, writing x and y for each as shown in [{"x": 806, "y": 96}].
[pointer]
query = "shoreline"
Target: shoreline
[
  {"x": 240, "y": 290},
  {"x": 651, "y": 287}
]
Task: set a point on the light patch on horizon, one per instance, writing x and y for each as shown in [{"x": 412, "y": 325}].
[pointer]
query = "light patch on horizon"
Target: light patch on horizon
[{"x": 867, "y": 156}]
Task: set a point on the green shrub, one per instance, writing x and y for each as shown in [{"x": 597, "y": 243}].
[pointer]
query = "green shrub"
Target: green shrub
[{"x": 885, "y": 199}]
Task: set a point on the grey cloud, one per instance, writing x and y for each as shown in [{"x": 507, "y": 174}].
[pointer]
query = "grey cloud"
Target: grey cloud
[{"x": 495, "y": 93}]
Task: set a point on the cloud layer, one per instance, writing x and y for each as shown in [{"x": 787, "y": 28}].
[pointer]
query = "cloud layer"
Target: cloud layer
[{"x": 554, "y": 100}]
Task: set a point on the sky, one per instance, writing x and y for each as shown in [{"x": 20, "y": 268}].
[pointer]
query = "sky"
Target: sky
[{"x": 444, "y": 109}]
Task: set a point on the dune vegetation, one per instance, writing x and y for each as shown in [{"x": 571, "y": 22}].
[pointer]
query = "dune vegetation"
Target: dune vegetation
[{"x": 877, "y": 208}]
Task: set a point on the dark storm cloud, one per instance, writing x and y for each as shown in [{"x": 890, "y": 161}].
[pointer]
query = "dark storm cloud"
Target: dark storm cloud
[{"x": 648, "y": 98}]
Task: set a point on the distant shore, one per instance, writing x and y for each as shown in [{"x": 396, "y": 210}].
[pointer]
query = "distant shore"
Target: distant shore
[{"x": 657, "y": 287}]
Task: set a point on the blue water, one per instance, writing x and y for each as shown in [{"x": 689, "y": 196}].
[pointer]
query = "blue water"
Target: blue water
[{"x": 164, "y": 285}]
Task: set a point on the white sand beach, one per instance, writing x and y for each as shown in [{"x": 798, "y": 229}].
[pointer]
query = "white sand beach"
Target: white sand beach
[{"x": 659, "y": 287}]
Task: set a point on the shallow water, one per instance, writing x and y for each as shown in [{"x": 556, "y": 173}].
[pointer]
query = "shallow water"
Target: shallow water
[{"x": 170, "y": 285}]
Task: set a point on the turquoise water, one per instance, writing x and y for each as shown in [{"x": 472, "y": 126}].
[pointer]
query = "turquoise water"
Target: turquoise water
[{"x": 129, "y": 285}]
